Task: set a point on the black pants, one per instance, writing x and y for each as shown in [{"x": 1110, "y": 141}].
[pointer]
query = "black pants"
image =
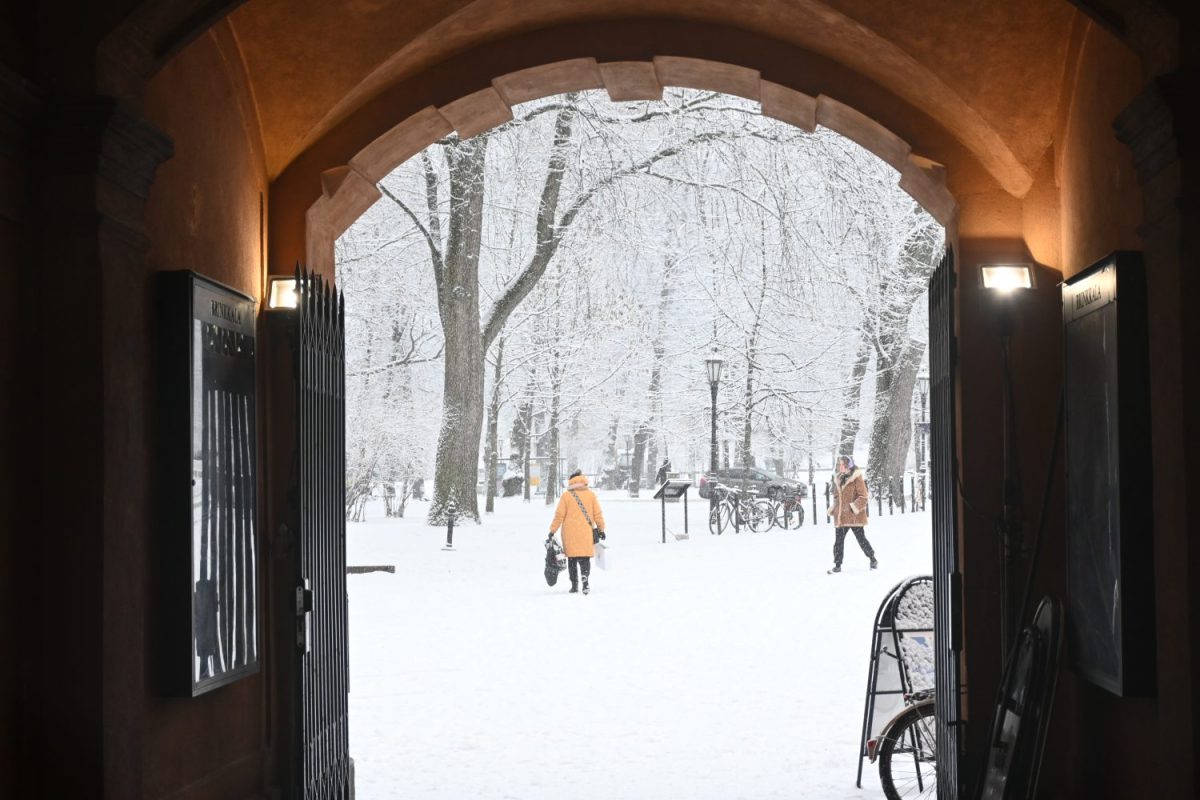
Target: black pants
[
  {"x": 577, "y": 564},
  {"x": 839, "y": 543}
]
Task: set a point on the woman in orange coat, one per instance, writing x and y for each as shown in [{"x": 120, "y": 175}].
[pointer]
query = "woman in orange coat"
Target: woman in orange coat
[
  {"x": 578, "y": 512},
  {"x": 849, "y": 511}
]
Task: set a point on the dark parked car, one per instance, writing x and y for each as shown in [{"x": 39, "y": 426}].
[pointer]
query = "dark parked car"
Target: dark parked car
[{"x": 767, "y": 484}]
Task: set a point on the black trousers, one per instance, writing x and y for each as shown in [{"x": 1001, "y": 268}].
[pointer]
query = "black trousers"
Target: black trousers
[
  {"x": 839, "y": 543},
  {"x": 577, "y": 564}
]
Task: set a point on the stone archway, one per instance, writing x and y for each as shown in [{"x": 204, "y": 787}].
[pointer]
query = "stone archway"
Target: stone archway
[{"x": 348, "y": 190}]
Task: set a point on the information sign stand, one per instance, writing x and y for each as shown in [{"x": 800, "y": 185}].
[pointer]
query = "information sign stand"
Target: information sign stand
[{"x": 673, "y": 490}]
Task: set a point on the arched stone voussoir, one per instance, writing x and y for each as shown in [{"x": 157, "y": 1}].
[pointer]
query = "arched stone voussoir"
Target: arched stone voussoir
[
  {"x": 713, "y": 76},
  {"x": 347, "y": 194},
  {"x": 788, "y": 105},
  {"x": 925, "y": 182},
  {"x": 631, "y": 80},
  {"x": 575, "y": 75},
  {"x": 401, "y": 143},
  {"x": 477, "y": 112},
  {"x": 861, "y": 129}
]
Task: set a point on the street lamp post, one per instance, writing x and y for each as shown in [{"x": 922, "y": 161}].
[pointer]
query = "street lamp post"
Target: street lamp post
[
  {"x": 713, "y": 364},
  {"x": 1003, "y": 281}
]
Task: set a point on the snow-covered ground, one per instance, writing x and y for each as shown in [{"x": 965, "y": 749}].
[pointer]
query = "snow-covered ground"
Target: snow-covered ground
[{"x": 711, "y": 668}]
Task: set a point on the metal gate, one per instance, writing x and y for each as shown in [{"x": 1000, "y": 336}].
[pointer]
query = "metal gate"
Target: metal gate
[
  {"x": 323, "y": 767},
  {"x": 947, "y": 580}
]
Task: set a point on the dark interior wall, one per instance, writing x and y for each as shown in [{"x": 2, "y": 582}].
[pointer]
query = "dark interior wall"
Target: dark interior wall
[
  {"x": 1084, "y": 204},
  {"x": 1113, "y": 744},
  {"x": 1036, "y": 367},
  {"x": 15, "y": 249},
  {"x": 203, "y": 214}
]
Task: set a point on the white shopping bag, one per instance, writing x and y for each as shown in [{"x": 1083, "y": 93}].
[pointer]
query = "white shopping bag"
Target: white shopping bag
[{"x": 602, "y": 557}]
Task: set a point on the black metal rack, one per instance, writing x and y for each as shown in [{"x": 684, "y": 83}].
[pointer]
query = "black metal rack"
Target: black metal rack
[{"x": 901, "y": 631}]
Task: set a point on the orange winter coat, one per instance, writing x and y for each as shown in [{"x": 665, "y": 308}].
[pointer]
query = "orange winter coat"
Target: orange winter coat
[
  {"x": 576, "y": 533},
  {"x": 849, "y": 507}
]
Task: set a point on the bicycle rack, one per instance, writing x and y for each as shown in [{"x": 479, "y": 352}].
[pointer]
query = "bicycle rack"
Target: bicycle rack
[{"x": 901, "y": 656}]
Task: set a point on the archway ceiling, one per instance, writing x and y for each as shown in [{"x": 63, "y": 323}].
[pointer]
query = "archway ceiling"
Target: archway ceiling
[{"x": 991, "y": 71}]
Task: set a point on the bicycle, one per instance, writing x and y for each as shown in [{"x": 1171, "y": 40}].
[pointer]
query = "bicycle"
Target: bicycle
[
  {"x": 736, "y": 508},
  {"x": 788, "y": 512},
  {"x": 907, "y": 750}
]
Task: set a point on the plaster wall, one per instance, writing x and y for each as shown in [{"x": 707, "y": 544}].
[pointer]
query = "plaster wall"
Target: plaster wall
[
  {"x": 1101, "y": 212},
  {"x": 1101, "y": 201},
  {"x": 205, "y": 213}
]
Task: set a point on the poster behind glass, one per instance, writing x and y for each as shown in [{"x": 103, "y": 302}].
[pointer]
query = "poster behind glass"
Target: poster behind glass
[
  {"x": 1109, "y": 521},
  {"x": 224, "y": 536}
]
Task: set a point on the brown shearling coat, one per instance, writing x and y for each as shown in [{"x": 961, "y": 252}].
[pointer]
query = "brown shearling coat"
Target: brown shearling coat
[
  {"x": 850, "y": 501},
  {"x": 576, "y": 533}
]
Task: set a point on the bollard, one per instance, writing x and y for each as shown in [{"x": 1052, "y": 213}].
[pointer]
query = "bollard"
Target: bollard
[
  {"x": 451, "y": 512},
  {"x": 812, "y": 487},
  {"x": 879, "y": 503},
  {"x": 912, "y": 485},
  {"x": 891, "y": 505}
]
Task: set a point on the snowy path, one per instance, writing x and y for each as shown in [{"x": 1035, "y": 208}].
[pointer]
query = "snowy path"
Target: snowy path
[{"x": 716, "y": 668}]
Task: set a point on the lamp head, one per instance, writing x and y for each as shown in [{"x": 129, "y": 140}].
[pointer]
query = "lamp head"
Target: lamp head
[
  {"x": 282, "y": 294},
  {"x": 713, "y": 364},
  {"x": 1006, "y": 278}
]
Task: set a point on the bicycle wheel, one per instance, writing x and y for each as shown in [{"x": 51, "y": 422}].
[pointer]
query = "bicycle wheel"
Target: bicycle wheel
[
  {"x": 789, "y": 514},
  {"x": 760, "y": 516},
  {"x": 783, "y": 514},
  {"x": 715, "y": 525},
  {"x": 721, "y": 518},
  {"x": 908, "y": 755}
]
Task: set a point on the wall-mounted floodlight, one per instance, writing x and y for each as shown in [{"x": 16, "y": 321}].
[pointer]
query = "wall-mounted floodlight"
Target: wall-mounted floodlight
[
  {"x": 1007, "y": 277},
  {"x": 282, "y": 293}
]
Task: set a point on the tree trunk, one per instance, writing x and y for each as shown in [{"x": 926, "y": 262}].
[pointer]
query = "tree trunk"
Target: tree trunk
[
  {"x": 492, "y": 456},
  {"x": 551, "y": 479},
  {"x": 456, "y": 465},
  {"x": 850, "y": 415},
  {"x": 639, "y": 456},
  {"x": 651, "y": 463},
  {"x": 745, "y": 451},
  {"x": 892, "y": 431},
  {"x": 526, "y": 432}
]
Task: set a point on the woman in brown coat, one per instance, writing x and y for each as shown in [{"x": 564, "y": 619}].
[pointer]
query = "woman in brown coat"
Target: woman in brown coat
[
  {"x": 849, "y": 511},
  {"x": 578, "y": 512}
]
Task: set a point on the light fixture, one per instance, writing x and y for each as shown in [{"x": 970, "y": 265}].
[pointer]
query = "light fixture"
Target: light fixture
[
  {"x": 1007, "y": 277},
  {"x": 713, "y": 365},
  {"x": 282, "y": 293}
]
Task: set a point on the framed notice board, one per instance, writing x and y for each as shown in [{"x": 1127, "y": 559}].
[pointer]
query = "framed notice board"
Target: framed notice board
[
  {"x": 209, "y": 541},
  {"x": 1110, "y": 568}
]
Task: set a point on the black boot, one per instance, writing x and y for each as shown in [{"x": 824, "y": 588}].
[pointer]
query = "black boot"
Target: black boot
[
  {"x": 836, "y": 568},
  {"x": 585, "y": 584},
  {"x": 575, "y": 588}
]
